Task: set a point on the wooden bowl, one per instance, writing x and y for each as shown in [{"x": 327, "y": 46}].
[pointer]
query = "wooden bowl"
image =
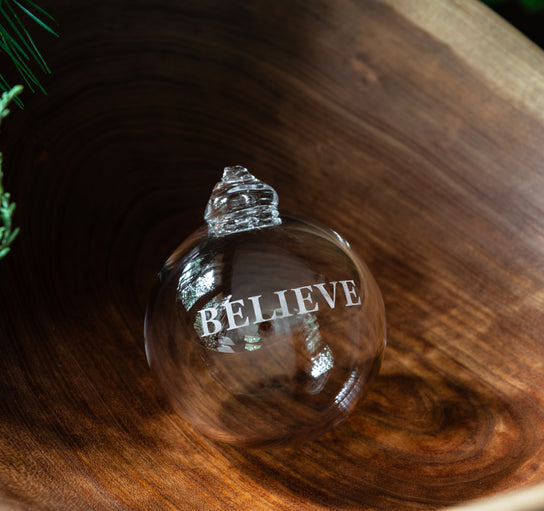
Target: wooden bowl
[{"x": 413, "y": 130}]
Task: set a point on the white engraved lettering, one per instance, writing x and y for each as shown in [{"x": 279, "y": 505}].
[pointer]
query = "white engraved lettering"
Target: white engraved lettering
[
  {"x": 350, "y": 293},
  {"x": 302, "y": 299},
  {"x": 211, "y": 319},
  {"x": 330, "y": 301},
  {"x": 283, "y": 304},
  {"x": 306, "y": 298},
  {"x": 231, "y": 313},
  {"x": 255, "y": 300}
]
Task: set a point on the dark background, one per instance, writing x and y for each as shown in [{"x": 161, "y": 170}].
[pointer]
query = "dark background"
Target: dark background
[{"x": 526, "y": 15}]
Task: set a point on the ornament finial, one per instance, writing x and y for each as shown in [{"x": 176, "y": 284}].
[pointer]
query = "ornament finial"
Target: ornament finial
[{"x": 240, "y": 202}]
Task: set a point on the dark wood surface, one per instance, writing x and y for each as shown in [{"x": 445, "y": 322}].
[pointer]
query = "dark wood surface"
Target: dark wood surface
[{"x": 415, "y": 129}]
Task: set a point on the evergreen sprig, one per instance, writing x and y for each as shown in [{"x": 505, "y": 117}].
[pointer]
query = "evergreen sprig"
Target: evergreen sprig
[
  {"x": 17, "y": 43},
  {"x": 7, "y": 232}
]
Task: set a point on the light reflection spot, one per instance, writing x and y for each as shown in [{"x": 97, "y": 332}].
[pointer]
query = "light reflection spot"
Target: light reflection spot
[{"x": 322, "y": 362}]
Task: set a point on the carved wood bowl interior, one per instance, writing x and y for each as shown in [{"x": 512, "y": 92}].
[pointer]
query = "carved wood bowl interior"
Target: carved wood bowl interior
[{"x": 360, "y": 116}]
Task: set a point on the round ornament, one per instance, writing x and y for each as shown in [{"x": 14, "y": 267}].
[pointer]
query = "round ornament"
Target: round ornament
[{"x": 263, "y": 327}]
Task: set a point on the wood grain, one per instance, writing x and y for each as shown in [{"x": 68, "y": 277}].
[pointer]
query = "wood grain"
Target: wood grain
[{"x": 414, "y": 130}]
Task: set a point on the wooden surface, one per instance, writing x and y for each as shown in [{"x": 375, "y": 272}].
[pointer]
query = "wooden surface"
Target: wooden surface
[{"x": 413, "y": 128}]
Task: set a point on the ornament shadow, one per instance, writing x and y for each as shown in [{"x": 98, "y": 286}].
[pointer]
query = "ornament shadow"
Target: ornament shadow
[{"x": 404, "y": 422}]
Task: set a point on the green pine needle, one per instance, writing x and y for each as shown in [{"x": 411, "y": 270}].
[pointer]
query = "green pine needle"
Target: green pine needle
[
  {"x": 17, "y": 43},
  {"x": 7, "y": 232}
]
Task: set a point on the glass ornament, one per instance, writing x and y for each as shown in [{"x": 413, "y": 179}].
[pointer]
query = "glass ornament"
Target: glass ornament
[{"x": 263, "y": 327}]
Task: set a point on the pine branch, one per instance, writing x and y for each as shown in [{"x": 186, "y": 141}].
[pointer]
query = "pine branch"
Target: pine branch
[{"x": 7, "y": 233}]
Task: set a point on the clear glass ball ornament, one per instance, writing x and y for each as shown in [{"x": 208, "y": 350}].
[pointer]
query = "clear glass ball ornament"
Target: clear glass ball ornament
[{"x": 263, "y": 327}]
